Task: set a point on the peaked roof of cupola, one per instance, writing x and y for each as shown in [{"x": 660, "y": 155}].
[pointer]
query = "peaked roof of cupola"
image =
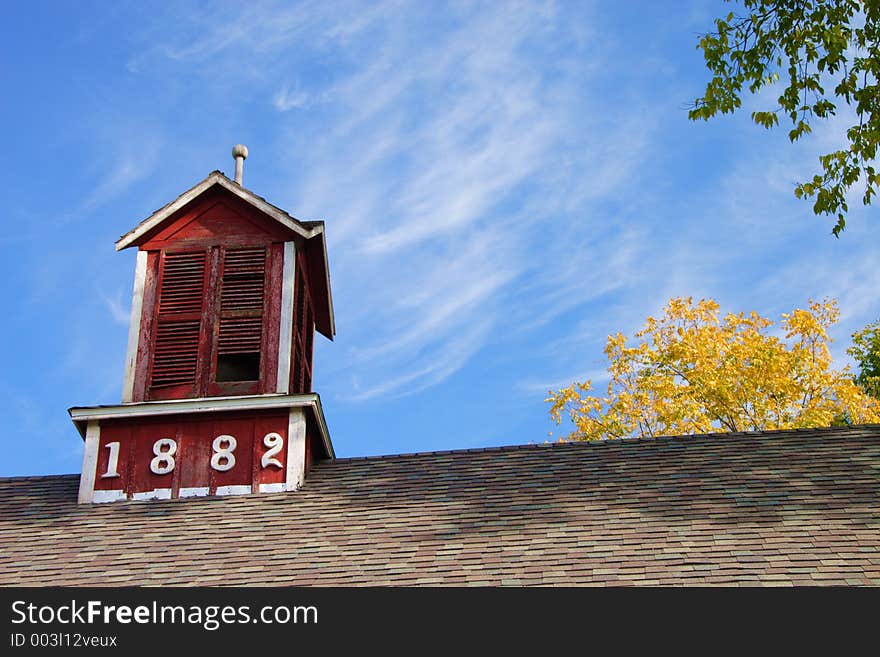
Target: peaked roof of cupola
[{"x": 311, "y": 232}]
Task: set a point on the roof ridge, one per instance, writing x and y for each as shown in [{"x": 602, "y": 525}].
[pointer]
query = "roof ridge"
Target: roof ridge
[
  {"x": 71, "y": 475},
  {"x": 856, "y": 428},
  {"x": 767, "y": 433}
]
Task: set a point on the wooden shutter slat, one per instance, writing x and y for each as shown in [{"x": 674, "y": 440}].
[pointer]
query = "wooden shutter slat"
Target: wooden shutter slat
[
  {"x": 239, "y": 336},
  {"x": 242, "y": 291},
  {"x": 182, "y": 291},
  {"x": 183, "y": 283},
  {"x": 244, "y": 273},
  {"x": 175, "y": 352}
]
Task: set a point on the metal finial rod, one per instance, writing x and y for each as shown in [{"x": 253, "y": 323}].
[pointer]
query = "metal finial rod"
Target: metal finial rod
[{"x": 240, "y": 153}]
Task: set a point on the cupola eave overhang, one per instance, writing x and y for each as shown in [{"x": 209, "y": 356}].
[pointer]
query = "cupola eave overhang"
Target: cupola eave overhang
[
  {"x": 312, "y": 232},
  {"x": 82, "y": 415}
]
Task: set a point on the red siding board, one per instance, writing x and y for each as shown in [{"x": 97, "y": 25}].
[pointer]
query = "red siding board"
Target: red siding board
[
  {"x": 195, "y": 451},
  {"x": 145, "y": 437},
  {"x": 110, "y": 435},
  {"x": 213, "y": 218},
  {"x": 194, "y": 436},
  {"x": 272, "y": 314},
  {"x": 241, "y": 474},
  {"x": 314, "y": 256},
  {"x": 145, "y": 342},
  {"x": 303, "y": 330},
  {"x": 271, "y": 474}
]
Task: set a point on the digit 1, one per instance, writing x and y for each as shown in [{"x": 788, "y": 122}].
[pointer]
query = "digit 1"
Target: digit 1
[{"x": 112, "y": 461}]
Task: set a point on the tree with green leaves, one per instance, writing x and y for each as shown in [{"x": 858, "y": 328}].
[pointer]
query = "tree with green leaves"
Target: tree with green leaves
[
  {"x": 865, "y": 350},
  {"x": 820, "y": 54}
]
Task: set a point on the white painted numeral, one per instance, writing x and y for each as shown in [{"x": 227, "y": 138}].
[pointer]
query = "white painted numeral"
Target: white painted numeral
[
  {"x": 164, "y": 449},
  {"x": 275, "y": 442},
  {"x": 112, "y": 461},
  {"x": 224, "y": 454}
]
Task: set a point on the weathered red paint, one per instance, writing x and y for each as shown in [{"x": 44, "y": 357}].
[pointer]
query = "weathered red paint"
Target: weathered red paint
[
  {"x": 194, "y": 436},
  {"x": 215, "y": 223},
  {"x": 214, "y": 217},
  {"x": 210, "y": 326},
  {"x": 303, "y": 329}
]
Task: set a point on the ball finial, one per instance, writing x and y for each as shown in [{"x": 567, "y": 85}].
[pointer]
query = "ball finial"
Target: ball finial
[{"x": 239, "y": 152}]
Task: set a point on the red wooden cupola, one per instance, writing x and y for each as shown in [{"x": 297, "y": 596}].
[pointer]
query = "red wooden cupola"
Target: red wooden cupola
[{"x": 228, "y": 293}]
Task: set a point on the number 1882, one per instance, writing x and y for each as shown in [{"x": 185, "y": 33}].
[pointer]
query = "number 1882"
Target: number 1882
[{"x": 222, "y": 459}]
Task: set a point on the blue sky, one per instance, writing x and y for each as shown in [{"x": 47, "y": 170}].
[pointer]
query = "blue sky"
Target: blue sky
[{"x": 503, "y": 184}]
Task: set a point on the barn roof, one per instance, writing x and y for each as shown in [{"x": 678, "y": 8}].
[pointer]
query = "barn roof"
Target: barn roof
[
  {"x": 312, "y": 232},
  {"x": 788, "y": 507}
]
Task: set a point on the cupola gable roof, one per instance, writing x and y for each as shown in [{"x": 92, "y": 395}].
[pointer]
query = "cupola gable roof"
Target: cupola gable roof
[{"x": 190, "y": 212}]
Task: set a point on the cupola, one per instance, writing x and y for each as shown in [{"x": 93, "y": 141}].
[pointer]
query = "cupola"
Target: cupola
[{"x": 217, "y": 398}]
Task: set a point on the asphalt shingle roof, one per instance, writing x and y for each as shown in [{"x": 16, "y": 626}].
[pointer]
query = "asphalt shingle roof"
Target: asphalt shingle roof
[{"x": 790, "y": 507}]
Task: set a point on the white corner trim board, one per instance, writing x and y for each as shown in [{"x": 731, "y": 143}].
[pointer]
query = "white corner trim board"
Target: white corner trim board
[
  {"x": 285, "y": 337},
  {"x": 90, "y": 461},
  {"x": 134, "y": 327},
  {"x": 296, "y": 449}
]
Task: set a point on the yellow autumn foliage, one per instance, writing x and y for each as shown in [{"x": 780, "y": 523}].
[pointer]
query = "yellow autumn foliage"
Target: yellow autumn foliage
[{"x": 693, "y": 371}]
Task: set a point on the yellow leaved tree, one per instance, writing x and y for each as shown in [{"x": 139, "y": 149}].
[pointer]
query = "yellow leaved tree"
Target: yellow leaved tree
[{"x": 694, "y": 371}]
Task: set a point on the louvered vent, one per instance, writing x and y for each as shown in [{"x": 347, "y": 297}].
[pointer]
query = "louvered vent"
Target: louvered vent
[
  {"x": 298, "y": 355},
  {"x": 175, "y": 353},
  {"x": 240, "y": 335},
  {"x": 301, "y": 376},
  {"x": 183, "y": 283},
  {"x": 176, "y": 348},
  {"x": 310, "y": 332},
  {"x": 243, "y": 276},
  {"x": 309, "y": 329}
]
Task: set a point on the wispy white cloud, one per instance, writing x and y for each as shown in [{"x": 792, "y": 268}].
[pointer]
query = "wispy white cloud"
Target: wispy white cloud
[
  {"x": 453, "y": 150},
  {"x": 117, "y": 309},
  {"x": 475, "y": 182},
  {"x": 124, "y": 162},
  {"x": 597, "y": 377},
  {"x": 117, "y": 179},
  {"x": 443, "y": 168},
  {"x": 504, "y": 184},
  {"x": 287, "y": 99},
  {"x": 448, "y": 359}
]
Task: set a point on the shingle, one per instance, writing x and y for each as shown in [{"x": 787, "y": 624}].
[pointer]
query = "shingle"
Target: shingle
[{"x": 776, "y": 508}]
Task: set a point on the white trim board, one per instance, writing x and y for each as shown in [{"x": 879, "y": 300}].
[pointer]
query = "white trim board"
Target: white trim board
[
  {"x": 104, "y": 496},
  {"x": 233, "y": 490},
  {"x": 90, "y": 461},
  {"x": 134, "y": 328},
  {"x": 83, "y": 416},
  {"x": 285, "y": 336},
  {"x": 296, "y": 449},
  {"x": 155, "y": 494}
]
